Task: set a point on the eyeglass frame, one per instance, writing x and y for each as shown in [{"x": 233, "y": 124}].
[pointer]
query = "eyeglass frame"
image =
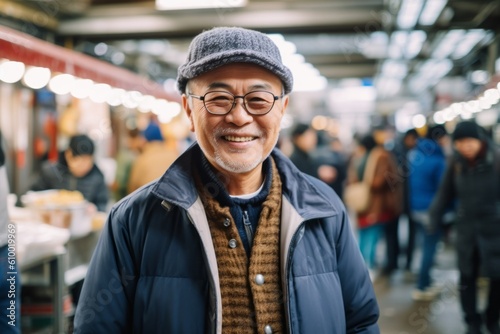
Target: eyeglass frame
[{"x": 202, "y": 98}]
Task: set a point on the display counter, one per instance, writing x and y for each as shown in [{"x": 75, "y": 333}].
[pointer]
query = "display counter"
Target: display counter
[{"x": 50, "y": 260}]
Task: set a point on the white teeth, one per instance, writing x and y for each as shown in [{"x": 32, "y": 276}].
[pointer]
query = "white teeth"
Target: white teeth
[{"x": 238, "y": 139}]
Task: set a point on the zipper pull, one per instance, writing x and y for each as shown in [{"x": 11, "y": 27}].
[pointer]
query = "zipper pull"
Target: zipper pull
[{"x": 248, "y": 227}]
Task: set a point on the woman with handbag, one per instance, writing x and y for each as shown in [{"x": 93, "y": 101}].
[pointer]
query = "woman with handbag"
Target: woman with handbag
[{"x": 377, "y": 170}]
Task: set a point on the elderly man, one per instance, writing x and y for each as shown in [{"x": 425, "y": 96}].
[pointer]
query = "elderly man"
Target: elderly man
[{"x": 232, "y": 238}]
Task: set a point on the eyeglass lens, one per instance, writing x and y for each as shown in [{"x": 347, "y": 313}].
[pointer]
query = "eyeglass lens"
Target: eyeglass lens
[{"x": 258, "y": 102}]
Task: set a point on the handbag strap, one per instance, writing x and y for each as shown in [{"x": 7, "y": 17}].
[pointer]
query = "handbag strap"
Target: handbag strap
[{"x": 371, "y": 165}]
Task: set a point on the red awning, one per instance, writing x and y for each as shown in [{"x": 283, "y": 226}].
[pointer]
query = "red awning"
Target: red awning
[{"x": 18, "y": 46}]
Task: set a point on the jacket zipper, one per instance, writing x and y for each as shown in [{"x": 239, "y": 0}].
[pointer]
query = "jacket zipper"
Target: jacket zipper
[
  {"x": 248, "y": 227},
  {"x": 291, "y": 248}
]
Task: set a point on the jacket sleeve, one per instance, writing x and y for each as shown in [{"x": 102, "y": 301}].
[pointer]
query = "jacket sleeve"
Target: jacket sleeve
[
  {"x": 105, "y": 304},
  {"x": 42, "y": 182},
  {"x": 360, "y": 302},
  {"x": 444, "y": 196}
]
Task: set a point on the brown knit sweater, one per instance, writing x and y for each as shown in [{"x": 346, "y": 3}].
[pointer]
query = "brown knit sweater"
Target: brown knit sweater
[{"x": 248, "y": 307}]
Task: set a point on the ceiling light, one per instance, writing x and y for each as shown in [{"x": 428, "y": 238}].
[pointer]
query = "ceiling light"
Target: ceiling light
[
  {"x": 415, "y": 43},
  {"x": 115, "y": 97},
  {"x": 36, "y": 77},
  {"x": 99, "y": 93},
  {"x": 418, "y": 121},
  {"x": 431, "y": 12},
  {"x": 81, "y": 88},
  {"x": 305, "y": 76},
  {"x": 394, "y": 69},
  {"x": 398, "y": 43},
  {"x": 448, "y": 43},
  {"x": 61, "y": 84},
  {"x": 11, "y": 71},
  {"x": 466, "y": 44},
  {"x": 438, "y": 117},
  {"x": 409, "y": 13},
  {"x": 198, "y": 4}
]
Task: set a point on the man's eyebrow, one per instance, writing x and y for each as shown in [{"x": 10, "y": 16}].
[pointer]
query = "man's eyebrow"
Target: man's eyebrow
[{"x": 217, "y": 84}]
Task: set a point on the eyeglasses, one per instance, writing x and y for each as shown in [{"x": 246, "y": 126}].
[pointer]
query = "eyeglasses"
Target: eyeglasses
[{"x": 258, "y": 102}]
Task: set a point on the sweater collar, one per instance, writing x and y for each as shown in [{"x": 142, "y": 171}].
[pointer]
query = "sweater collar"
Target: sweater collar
[{"x": 215, "y": 184}]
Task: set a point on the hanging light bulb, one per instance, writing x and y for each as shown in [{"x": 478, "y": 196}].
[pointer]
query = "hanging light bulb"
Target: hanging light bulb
[
  {"x": 11, "y": 71},
  {"x": 36, "y": 77}
]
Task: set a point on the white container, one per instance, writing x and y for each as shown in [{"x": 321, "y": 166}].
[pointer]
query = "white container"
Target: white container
[{"x": 74, "y": 216}]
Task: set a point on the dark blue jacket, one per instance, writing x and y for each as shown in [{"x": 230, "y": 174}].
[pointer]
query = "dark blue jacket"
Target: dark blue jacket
[
  {"x": 427, "y": 163},
  {"x": 155, "y": 271}
]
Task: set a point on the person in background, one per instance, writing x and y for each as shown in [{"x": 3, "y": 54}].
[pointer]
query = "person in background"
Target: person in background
[
  {"x": 393, "y": 184},
  {"x": 409, "y": 141},
  {"x": 427, "y": 163},
  {"x": 384, "y": 196},
  {"x": 154, "y": 159},
  {"x": 305, "y": 154},
  {"x": 233, "y": 238},
  {"x": 304, "y": 141},
  {"x": 472, "y": 179},
  {"x": 333, "y": 164},
  {"x": 10, "y": 301},
  {"x": 124, "y": 160},
  {"x": 76, "y": 170}
]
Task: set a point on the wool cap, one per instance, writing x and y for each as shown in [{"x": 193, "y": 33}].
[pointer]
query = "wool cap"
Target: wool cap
[
  {"x": 81, "y": 145},
  {"x": 467, "y": 129},
  {"x": 226, "y": 45}
]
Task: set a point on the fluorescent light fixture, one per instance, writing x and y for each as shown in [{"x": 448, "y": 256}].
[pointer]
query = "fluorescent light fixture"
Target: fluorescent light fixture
[
  {"x": 415, "y": 43},
  {"x": 376, "y": 46},
  {"x": 305, "y": 76},
  {"x": 409, "y": 13},
  {"x": 468, "y": 43},
  {"x": 398, "y": 43},
  {"x": 406, "y": 44},
  {"x": 387, "y": 87},
  {"x": 198, "y": 4},
  {"x": 394, "y": 69},
  {"x": 431, "y": 12},
  {"x": 448, "y": 43}
]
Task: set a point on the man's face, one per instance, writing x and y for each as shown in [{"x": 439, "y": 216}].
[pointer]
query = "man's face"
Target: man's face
[
  {"x": 307, "y": 141},
  {"x": 468, "y": 147},
  {"x": 237, "y": 142},
  {"x": 79, "y": 165}
]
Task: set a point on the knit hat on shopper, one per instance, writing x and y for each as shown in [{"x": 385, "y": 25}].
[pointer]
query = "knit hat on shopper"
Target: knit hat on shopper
[
  {"x": 467, "y": 129},
  {"x": 226, "y": 45}
]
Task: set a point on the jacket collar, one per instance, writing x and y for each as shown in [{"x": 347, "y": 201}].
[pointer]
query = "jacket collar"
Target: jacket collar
[{"x": 177, "y": 186}]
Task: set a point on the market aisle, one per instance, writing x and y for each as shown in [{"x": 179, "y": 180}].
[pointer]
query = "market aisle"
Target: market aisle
[{"x": 400, "y": 314}]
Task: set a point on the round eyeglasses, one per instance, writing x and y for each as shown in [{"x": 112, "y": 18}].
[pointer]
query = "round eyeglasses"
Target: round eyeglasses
[{"x": 258, "y": 102}]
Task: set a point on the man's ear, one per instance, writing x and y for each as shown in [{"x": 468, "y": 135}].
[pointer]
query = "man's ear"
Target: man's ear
[
  {"x": 189, "y": 112},
  {"x": 285, "y": 104}
]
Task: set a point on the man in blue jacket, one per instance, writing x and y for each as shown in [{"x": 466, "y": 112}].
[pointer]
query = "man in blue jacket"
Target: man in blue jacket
[{"x": 232, "y": 238}]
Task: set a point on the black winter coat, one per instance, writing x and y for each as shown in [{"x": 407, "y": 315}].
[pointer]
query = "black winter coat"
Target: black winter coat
[{"x": 476, "y": 190}]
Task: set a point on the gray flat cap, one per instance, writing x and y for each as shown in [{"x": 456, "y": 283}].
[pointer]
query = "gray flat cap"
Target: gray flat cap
[{"x": 226, "y": 45}]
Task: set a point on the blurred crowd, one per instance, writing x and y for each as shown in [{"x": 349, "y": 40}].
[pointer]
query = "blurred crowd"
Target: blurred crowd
[{"x": 444, "y": 187}]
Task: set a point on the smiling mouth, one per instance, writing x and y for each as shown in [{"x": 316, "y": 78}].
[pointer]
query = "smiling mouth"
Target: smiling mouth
[{"x": 238, "y": 139}]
